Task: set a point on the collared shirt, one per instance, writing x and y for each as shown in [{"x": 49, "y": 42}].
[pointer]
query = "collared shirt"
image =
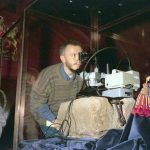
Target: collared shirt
[{"x": 65, "y": 75}]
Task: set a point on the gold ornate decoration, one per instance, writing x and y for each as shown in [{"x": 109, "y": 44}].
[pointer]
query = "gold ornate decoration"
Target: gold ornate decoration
[{"x": 10, "y": 42}]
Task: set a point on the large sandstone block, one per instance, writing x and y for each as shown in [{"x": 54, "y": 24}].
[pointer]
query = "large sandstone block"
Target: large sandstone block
[{"x": 91, "y": 116}]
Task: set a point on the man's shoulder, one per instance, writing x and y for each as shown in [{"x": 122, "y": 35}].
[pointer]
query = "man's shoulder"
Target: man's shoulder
[
  {"x": 50, "y": 71},
  {"x": 52, "y": 67}
]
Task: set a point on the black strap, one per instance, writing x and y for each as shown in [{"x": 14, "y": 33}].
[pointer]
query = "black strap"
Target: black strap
[{"x": 118, "y": 105}]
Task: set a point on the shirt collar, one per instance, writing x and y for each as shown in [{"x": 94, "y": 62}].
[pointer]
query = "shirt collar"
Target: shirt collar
[{"x": 64, "y": 74}]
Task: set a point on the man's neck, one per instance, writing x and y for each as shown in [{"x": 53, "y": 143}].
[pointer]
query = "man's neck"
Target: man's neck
[{"x": 68, "y": 71}]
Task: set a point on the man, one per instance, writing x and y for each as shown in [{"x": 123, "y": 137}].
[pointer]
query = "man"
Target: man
[{"x": 56, "y": 84}]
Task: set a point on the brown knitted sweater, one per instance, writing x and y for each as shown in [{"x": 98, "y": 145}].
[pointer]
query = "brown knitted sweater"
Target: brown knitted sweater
[{"x": 53, "y": 89}]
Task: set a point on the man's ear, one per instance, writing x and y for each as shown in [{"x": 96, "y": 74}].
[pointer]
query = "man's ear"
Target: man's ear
[{"x": 62, "y": 58}]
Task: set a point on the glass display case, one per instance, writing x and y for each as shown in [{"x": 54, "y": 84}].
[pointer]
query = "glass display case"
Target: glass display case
[{"x": 44, "y": 32}]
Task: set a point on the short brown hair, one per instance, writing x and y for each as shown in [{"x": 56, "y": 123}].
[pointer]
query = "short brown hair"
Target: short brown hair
[{"x": 68, "y": 42}]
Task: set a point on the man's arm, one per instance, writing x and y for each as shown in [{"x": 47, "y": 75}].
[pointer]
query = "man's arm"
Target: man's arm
[
  {"x": 42, "y": 111},
  {"x": 39, "y": 97}
]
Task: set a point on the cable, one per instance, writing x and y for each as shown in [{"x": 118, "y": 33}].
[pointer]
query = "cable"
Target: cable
[
  {"x": 119, "y": 63},
  {"x": 67, "y": 119},
  {"x": 62, "y": 129}
]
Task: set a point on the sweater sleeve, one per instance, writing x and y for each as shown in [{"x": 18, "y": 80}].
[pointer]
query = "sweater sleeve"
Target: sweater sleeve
[{"x": 38, "y": 99}]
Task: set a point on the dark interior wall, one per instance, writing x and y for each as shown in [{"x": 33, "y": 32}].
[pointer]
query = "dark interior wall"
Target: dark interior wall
[
  {"x": 44, "y": 40},
  {"x": 135, "y": 41},
  {"x": 131, "y": 35},
  {"x": 60, "y": 32},
  {"x": 3, "y": 3}
]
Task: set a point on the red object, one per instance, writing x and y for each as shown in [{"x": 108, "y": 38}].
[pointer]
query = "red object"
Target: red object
[{"x": 142, "y": 106}]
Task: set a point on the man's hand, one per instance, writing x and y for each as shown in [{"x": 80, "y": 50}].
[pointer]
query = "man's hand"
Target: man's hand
[{"x": 55, "y": 124}]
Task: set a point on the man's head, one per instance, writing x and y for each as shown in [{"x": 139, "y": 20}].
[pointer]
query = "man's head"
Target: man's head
[{"x": 69, "y": 55}]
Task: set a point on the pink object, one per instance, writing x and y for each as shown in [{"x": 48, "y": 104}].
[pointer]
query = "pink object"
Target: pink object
[{"x": 142, "y": 106}]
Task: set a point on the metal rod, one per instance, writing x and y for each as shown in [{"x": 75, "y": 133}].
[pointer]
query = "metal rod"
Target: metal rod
[{"x": 16, "y": 137}]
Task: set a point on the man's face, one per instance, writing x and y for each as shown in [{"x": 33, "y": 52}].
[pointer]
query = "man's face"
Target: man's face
[{"x": 71, "y": 57}]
